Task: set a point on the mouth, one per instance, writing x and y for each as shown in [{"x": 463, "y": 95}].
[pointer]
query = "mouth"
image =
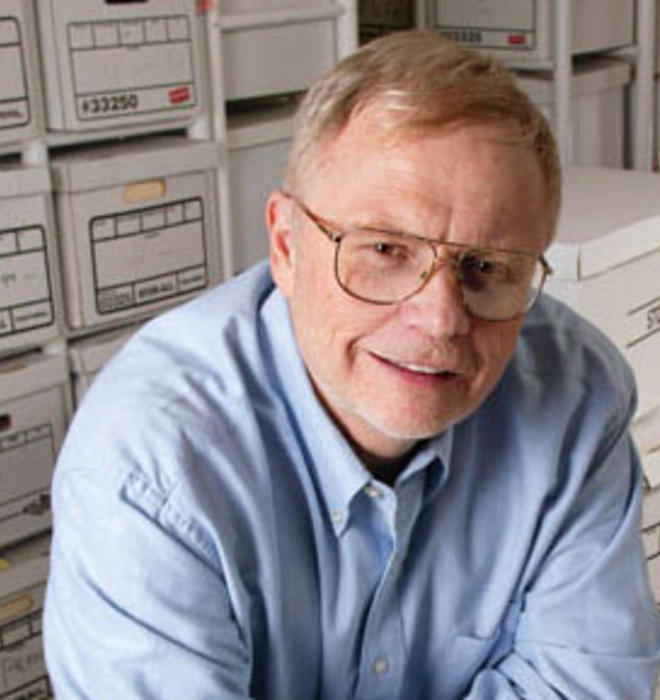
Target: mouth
[{"x": 419, "y": 370}]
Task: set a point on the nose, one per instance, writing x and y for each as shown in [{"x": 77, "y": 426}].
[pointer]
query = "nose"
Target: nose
[{"x": 437, "y": 309}]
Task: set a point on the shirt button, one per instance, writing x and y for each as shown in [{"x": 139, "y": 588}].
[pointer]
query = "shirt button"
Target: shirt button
[
  {"x": 337, "y": 517},
  {"x": 372, "y": 491},
  {"x": 380, "y": 666}
]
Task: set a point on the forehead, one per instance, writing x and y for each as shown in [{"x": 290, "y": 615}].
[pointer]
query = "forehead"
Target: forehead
[{"x": 463, "y": 181}]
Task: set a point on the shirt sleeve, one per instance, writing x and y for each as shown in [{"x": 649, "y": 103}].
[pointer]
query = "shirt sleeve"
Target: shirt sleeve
[
  {"x": 587, "y": 627},
  {"x": 137, "y": 605}
]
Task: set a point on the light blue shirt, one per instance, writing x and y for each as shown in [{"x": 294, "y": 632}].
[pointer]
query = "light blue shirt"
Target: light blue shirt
[{"x": 217, "y": 539}]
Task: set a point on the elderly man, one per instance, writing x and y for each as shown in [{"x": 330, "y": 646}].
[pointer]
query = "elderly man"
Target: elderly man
[{"x": 382, "y": 467}]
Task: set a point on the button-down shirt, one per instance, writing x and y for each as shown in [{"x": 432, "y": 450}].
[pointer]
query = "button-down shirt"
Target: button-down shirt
[{"x": 216, "y": 538}]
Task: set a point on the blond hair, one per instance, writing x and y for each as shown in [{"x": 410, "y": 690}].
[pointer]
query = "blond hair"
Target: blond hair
[{"x": 419, "y": 80}]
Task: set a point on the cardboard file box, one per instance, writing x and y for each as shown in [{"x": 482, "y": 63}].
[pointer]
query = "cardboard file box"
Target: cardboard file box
[
  {"x": 258, "y": 148},
  {"x": 598, "y": 114},
  {"x": 20, "y": 103},
  {"x": 138, "y": 227},
  {"x": 606, "y": 259},
  {"x": 88, "y": 355},
  {"x": 121, "y": 63},
  {"x": 522, "y": 31},
  {"x": 22, "y": 589},
  {"x": 34, "y": 409},
  {"x": 276, "y": 51},
  {"x": 30, "y": 297}
]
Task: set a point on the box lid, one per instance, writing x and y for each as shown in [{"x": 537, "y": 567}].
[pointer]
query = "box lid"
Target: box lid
[
  {"x": 608, "y": 218},
  {"x": 17, "y": 180},
  {"x": 261, "y": 125},
  {"x": 107, "y": 165},
  {"x": 90, "y": 354},
  {"x": 26, "y": 374},
  {"x": 589, "y": 77}
]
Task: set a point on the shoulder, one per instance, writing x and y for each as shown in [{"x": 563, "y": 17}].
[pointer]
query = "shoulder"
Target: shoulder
[
  {"x": 182, "y": 381},
  {"x": 569, "y": 354}
]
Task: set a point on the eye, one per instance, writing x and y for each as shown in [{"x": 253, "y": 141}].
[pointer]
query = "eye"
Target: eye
[{"x": 481, "y": 270}]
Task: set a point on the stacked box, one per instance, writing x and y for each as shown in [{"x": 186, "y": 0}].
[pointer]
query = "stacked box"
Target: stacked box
[
  {"x": 606, "y": 259},
  {"x": 22, "y": 589},
  {"x": 522, "y": 31},
  {"x": 276, "y": 46},
  {"x": 34, "y": 409},
  {"x": 598, "y": 108},
  {"x": 30, "y": 295},
  {"x": 258, "y": 147},
  {"x": 138, "y": 227},
  {"x": 378, "y": 17},
  {"x": 88, "y": 355},
  {"x": 109, "y": 64},
  {"x": 21, "y": 109}
]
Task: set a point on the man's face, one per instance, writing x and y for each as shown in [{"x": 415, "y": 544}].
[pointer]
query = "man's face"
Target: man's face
[{"x": 392, "y": 375}]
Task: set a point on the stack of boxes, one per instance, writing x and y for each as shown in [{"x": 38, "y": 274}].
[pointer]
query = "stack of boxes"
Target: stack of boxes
[
  {"x": 595, "y": 93},
  {"x": 605, "y": 260},
  {"x": 125, "y": 174}
]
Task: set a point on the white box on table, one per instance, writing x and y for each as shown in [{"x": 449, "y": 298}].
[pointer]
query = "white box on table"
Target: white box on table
[
  {"x": 138, "y": 227},
  {"x": 22, "y": 589},
  {"x": 522, "y": 31},
  {"x": 258, "y": 145},
  {"x": 21, "y": 107},
  {"x": 30, "y": 290},
  {"x": 34, "y": 410},
  {"x": 606, "y": 259},
  {"x": 598, "y": 113},
  {"x": 121, "y": 63},
  {"x": 276, "y": 47}
]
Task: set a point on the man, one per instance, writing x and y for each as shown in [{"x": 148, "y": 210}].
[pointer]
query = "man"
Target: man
[{"x": 374, "y": 470}]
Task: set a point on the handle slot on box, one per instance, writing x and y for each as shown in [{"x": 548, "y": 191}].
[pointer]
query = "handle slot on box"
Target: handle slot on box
[{"x": 5, "y": 422}]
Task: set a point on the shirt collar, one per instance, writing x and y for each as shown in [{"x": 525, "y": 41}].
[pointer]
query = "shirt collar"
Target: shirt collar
[{"x": 336, "y": 469}]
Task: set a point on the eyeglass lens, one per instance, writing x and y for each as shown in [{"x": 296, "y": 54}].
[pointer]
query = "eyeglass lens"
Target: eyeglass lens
[{"x": 388, "y": 268}]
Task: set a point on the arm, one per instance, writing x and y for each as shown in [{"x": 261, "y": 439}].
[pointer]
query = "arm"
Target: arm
[
  {"x": 137, "y": 605},
  {"x": 588, "y": 627}
]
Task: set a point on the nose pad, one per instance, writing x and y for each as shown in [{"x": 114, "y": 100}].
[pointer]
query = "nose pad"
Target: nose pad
[{"x": 437, "y": 308}]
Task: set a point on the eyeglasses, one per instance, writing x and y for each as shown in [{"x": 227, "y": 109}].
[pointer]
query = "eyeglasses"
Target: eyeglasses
[{"x": 384, "y": 267}]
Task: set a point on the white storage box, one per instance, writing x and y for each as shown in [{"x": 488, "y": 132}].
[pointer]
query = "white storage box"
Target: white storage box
[
  {"x": 138, "y": 227},
  {"x": 258, "y": 149},
  {"x": 20, "y": 88},
  {"x": 276, "y": 51},
  {"x": 30, "y": 295},
  {"x": 34, "y": 410},
  {"x": 121, "y": 63},
  {"x": 598, "y": 114},
  {"x": 606, "y": 260},
  {"x": 88, "y": 356},
  {"x": 522, "y": 31},
  {"x": 22, "y": 589}
]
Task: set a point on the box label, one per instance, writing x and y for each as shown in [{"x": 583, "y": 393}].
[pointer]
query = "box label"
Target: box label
[
  {"x": 26, "y": 460},
  {"x": 143, "y": 256},
  {"x": 26, "y": 299},
  {"x": 515, "y": 40},
  {"x": 14, "y": 104},
  {"x": 643, "y": 322},
  {"x": 22, "y": 664},
  {"x": 123, "y": 68}
]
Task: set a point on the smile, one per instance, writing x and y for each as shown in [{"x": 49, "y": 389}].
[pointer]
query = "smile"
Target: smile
[{"x": 417, "y": 368}]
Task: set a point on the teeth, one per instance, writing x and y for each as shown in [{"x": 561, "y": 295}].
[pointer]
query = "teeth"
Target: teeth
[{"x": 422, "y": 369}]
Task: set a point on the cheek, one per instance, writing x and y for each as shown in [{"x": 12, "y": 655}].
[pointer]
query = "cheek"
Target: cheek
[{"x": 495, "y": 344}]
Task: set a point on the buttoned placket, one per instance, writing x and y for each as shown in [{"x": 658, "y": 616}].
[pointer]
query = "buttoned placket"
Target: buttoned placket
[{"x": 382, "y": 659}]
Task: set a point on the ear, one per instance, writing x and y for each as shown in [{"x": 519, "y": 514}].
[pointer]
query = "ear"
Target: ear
[{"x": 279, "y": 220}]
